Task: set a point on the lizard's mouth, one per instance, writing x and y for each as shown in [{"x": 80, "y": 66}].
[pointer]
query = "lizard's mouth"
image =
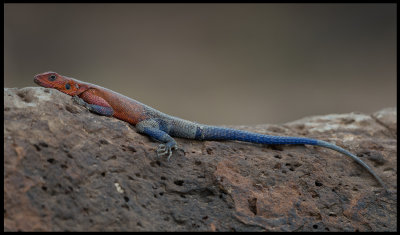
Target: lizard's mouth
[{"x": 37, "y": 80}]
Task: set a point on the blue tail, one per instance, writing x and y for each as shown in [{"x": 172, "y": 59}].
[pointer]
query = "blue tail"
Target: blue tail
[{"x": 221, "y": 133}]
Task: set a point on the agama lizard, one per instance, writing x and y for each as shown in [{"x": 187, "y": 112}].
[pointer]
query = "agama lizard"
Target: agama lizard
[{"x": 161, "y": 126}]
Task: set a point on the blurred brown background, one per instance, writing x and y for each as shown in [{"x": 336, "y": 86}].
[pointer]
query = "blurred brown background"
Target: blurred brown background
[{"x": 214, "y": 63}]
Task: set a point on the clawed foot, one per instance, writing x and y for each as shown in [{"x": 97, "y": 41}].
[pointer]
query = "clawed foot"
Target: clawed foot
[
  {"x": 164, "y": 149},
  {"x": 80, "y": 101},
  {"x": 77, "y": 100}
]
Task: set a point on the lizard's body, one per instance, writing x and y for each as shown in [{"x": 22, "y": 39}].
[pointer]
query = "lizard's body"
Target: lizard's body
[{"x": 161, "y": 126}]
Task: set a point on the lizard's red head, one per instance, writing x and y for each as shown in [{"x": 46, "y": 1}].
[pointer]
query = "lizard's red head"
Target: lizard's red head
[{"x": 64, "y": 84}]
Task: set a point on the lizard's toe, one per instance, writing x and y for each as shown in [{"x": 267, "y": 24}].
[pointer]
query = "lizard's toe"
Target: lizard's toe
[
  {"x": 166, "y": 149},
  {"x": 161, "y": 148}
]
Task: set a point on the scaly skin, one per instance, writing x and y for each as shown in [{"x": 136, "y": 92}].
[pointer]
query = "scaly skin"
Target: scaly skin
[{"x": 161, "y": 126}]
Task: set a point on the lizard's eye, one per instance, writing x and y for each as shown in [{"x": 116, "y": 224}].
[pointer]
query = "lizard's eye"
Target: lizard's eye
[
  {"x": 52, "y": 77},
  {"x": 67, "y": 86}
]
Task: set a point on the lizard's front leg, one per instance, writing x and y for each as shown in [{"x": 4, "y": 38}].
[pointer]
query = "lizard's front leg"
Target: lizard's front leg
[
  {"x": 151, "y": 128},
  {"x": 102, "y": 108}
]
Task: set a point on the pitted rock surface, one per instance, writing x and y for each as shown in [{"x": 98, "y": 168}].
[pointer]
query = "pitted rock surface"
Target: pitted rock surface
[{"x": 67, "y": 169}]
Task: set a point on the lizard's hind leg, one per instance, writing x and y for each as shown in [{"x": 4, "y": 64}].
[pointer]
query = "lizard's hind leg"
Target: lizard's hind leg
[{"x": 151, "y": 129}]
